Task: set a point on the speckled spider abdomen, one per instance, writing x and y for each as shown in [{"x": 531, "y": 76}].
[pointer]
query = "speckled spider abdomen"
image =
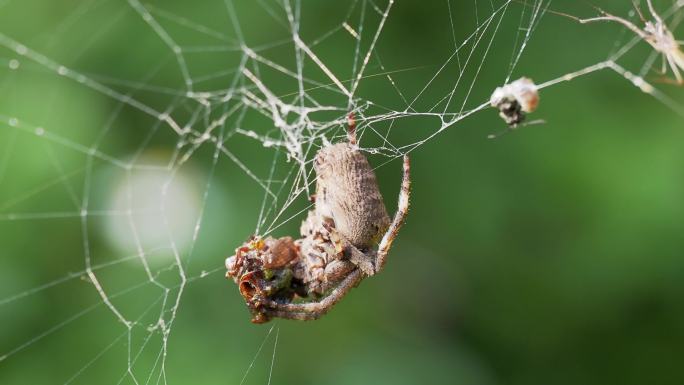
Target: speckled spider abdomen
[{"x": 347, "y": 193}]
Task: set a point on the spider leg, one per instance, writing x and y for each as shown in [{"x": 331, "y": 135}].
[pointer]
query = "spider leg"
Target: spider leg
[
  {"x": 654, "y": 13},
  {"x": 312, "y": 310},
  {"x": 356, "y": 256},
  {"x": 675, "y": 68},
  {"x": 399, "y": 217},
  {"x": 501, "y": 133},
  {"x": 291, "y": 315},
  {"x": 663, "y": 66},
  {"x": 637, "y": 8},
  {"x": 608, "y": 17},
  {"x": 678, "y": 58},
  {"x": 338, "y": 269},
  {"x": 351, "y": 128}
]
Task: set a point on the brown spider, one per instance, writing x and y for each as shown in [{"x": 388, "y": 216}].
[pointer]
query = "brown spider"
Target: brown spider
[
  {"x": 345, "y": 237},
  {"x": 655, "y": 33}
]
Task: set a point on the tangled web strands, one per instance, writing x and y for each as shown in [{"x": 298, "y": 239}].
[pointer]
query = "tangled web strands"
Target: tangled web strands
[{"x": 121, "y": 147}]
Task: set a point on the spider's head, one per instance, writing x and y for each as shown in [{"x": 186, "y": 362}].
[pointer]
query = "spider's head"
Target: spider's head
[{"x": 660, "y": 37}]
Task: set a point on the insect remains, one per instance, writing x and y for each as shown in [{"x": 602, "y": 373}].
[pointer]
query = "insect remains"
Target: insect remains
[
  {"x": 344, "y": 238},
  {"x": 514, "y": 101},
  {"x": 656, "y": 33}
]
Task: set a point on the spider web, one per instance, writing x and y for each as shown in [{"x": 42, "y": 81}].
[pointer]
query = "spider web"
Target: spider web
[{"x": 135, "y": 176}]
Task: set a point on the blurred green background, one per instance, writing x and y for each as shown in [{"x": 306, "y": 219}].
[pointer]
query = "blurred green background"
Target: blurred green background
[{"x": 552, "y": 255}]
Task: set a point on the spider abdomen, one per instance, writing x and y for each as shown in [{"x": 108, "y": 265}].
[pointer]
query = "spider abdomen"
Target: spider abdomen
[{"x": 347, "y": 192}]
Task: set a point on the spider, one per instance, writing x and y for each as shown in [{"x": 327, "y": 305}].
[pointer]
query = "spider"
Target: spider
[
  {"x": 345, "y": 238},
  {"x": 655, "y": 33}
]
